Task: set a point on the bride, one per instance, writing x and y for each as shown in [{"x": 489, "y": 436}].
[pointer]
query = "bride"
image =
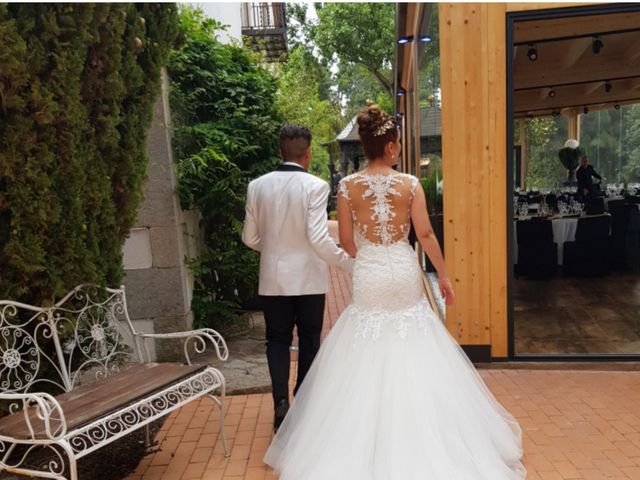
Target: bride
[{"x": 391, "y": 395}]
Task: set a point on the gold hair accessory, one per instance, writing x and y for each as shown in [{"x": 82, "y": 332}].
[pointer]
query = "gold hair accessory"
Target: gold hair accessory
[{"x": 384, "y": 128}]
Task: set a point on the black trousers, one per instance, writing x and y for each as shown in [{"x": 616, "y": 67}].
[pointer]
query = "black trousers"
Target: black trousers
[{"x": 281, "y": 314}]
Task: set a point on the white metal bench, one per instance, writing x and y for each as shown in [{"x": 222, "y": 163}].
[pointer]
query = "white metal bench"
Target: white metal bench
[{"x": 72, "y": 384}]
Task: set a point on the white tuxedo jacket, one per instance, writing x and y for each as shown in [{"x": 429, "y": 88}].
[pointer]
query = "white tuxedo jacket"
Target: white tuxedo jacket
[{"x": 286, "y": 221}]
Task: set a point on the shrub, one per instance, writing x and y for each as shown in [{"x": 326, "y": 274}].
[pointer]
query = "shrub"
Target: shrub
[
  {"x": 77, "y": 87},
  {"x": 225, "y": 133}
]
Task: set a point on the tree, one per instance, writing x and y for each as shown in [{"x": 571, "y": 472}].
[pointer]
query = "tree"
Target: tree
[
  {"x": 360, "y": 33},
  {"x": 226, "y": 124},
  {"x": 77, "y": 87},
  {"x": 545, "y": 136},
  {"x": 631, "y": 170},
  {"x": 300, "y": 103},
  {"x": 357, "y": 40}
]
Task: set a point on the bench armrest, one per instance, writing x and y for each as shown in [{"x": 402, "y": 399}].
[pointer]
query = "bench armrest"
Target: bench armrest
[
  {"x": 40, "y": 407},
  {"x": 199, "y": 338}
]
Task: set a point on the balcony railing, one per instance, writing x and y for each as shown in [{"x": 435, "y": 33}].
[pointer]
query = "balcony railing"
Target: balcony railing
[{"x": 262, "y": 16}]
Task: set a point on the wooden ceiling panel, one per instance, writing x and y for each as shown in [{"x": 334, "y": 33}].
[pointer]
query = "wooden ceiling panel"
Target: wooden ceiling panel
[
  {"x": 568, "y": 67},
  {"x": 536, "y": 30}
]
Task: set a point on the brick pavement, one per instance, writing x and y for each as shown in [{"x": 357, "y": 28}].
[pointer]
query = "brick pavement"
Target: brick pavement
[{"x": 576, "y": 424}]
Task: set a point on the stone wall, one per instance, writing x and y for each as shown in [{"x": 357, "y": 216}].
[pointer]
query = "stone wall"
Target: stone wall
[{"x": 158, "y": 284}]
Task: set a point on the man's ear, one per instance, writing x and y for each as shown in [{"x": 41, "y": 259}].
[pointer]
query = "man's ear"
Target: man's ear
[{"x": 307, "y": 153}]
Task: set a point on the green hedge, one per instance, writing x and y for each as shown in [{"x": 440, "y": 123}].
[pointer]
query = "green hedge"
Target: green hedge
[
  {"x": 226, "y": 131},
  {"x": 77, "y": 87}
]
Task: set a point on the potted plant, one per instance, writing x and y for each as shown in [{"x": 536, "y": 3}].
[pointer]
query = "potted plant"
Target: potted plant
[
  {"x": 570, "y": 158},
  {"x": 432, "y": 185}
]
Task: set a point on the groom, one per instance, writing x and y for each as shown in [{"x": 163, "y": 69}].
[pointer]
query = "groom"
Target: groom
[{"x": 286, "y": 221}]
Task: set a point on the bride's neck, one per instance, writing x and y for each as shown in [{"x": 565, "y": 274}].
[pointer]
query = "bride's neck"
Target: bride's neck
[{"x": 378, "y": 165}]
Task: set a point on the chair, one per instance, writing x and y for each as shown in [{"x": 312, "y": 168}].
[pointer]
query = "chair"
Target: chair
[
  {"x": 537, "y": 252},
  {"x": 625, "y": 236},
  {"x": 615, "y": 205},
  {"x": 589, "y": 255},
  {"x": 534, "y": 197},
  {"x": 552, "y": 201},
  {"x": 595, "y": 206}
]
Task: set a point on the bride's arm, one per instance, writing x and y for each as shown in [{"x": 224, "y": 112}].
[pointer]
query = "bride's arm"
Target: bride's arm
[
  {"x": 345, "y": 226},
  {"x": 429, "y": 242}
]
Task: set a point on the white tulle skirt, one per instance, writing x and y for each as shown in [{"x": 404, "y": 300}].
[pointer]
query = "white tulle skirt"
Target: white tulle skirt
[
  {"x": 392, "y": 396},
  {"x": 383, "y": 407}
]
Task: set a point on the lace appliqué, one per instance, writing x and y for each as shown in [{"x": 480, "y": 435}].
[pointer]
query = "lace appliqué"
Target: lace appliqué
[
  {"x": 380, "y": 186},
  {"x": 371, "y": 323},
  {"x": 342, "y": 188}
]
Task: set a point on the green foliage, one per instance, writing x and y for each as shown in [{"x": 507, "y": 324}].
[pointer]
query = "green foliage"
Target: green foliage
[
  {"x": 359, "y": 33},
  {"x": 77, "y": 87},
  {"x": 299, "y": 102},
  {"x": 611, "y": 139},
  {"x": 631, "y": 170},
  {"x": 545, "y": 136},
  {"x": 226, "y": 126},
  {"x": 430, "y": 187},
  {"x": 357, "y": 40}
]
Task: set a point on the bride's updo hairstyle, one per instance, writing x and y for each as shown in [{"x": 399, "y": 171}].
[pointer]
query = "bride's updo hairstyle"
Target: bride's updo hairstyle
[{"x": 376, "y": 128}]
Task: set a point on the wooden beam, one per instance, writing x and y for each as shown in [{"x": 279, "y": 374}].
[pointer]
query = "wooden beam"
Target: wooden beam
[
  {"x": 578, "y": 47},
  {"x": 533, "y": 100},
  {"x": 413, "y": 9},
  {"x": 632, "y": 53},
  {"x": 574, "y": 126},
  {"x": 524, "y": 157},
  {"x": 589, "y": 88},
  {"x": 537, "y": 75},
  {"x": 536, "y": 30},
  {"x": 566, "y": 111}
]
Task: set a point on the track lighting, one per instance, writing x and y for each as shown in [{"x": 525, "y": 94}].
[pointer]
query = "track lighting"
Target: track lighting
[
  {"x": 425, "y": 38},
  {"x": 552, "y": 92},
  {"x": 405, "y": 39},
  {"x": 607, "y": 86},
  {"x": 617, "y": 106},
  {"x": 400, "y": 92},
  {"x": 532, "y": 52},
  {"x": 597, "y": 45},
  {"x": 585, "y": 110}
]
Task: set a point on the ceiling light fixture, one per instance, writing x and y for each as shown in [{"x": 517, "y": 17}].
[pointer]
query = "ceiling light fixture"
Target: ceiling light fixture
[
  {"x": 532, "y": 52},
  {"x": 552, "y": 92},
  {"x": 405, "y": 39},
  {"x": 607, "y": 86},
  {"x": 617, "y": 106},
  {"x": 597, "y": 45},
  {"x": 400, "y": 92},
  {"x": 585, "y": 110},
  {"x": 425, "y": 38},
  {"x": 555, "y": 114}
]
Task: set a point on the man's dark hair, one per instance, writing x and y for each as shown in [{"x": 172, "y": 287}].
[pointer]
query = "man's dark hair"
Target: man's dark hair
[{"x": 294, "y": 141}]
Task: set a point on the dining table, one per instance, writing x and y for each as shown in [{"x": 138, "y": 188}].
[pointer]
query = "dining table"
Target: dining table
[{"x": 564, "y": 230}]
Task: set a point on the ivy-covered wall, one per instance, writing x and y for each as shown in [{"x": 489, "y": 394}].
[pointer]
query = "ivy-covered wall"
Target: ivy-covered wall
[
  {"x": 223, "y": 105},
  {"x": 77, "y": 87}
]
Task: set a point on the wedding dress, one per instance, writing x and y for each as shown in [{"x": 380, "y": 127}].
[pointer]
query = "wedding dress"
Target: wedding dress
[{"x": 391, "y": 395}]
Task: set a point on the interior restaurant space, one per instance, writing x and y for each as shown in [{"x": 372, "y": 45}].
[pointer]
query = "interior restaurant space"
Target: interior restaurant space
[{"x": 574, "y": 181}]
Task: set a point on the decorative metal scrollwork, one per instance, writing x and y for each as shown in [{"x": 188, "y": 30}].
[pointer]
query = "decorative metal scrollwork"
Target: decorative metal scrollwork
[{"x": 84, "y": 332}]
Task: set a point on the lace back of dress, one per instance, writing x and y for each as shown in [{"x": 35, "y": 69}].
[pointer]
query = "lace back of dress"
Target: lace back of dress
[{"x": 380, "y": 206}]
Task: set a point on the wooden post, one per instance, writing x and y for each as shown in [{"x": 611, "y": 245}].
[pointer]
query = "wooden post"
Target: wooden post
[
  {"x": 574, "y": 125},
  {"x": 524, "y": 155}
]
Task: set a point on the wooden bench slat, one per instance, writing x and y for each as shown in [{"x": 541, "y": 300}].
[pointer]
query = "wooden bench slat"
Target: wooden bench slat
[{"x": 98, "y": 398}]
